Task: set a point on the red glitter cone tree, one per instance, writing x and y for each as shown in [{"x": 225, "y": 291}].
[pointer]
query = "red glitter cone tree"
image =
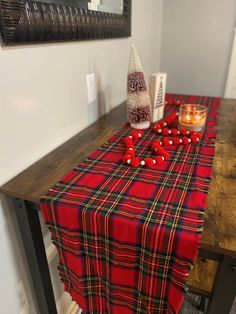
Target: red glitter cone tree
[{"x": 138, "y": 100}]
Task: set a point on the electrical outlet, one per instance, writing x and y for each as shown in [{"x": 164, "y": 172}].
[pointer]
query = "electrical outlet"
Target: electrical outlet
[{"x": 91, "y": 88}]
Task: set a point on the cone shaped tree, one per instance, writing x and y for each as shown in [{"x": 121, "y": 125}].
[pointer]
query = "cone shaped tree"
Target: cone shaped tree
[{"x": 138, "y": 100}]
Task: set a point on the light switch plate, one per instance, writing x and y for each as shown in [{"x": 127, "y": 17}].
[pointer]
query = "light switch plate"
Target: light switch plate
[{"x": 91, "y": 87}]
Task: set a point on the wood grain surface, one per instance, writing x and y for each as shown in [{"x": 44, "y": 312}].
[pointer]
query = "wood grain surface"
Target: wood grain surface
[
  {"x": 219, "y": 233},
  {"x": 202, "y": 276}
]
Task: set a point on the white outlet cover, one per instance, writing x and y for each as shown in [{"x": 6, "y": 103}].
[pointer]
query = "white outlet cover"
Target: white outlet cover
[{"x": 91, "y": 87}]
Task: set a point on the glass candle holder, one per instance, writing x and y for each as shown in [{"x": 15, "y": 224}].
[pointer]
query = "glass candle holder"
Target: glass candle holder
[{"x": 192, "y": 117}]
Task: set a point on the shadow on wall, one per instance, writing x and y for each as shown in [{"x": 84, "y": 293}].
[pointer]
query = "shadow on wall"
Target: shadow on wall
[{"x": 102, "y": 104}]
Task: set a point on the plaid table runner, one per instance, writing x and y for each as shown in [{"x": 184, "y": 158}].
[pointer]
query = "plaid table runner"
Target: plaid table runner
[{"x": 127, "y": 237}]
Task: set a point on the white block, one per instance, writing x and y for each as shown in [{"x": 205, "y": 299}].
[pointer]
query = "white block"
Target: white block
[{"x": 157, "y": 91}]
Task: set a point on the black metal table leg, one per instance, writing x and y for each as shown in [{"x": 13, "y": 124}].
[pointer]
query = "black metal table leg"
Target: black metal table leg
[
  {"x": 224, "y": 290},
  {"x": 32, "y": 237},
  {"x": 202, "y": 305}
]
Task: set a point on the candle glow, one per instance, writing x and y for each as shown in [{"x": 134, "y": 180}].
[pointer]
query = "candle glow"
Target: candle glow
[{"x": 192, "y": 117}]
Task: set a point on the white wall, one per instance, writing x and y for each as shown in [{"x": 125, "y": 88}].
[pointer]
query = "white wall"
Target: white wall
[
  {"x": 230, "y": 86},
  {"x": 196, "y": 44},
  {"x": 43, "y": 102}
]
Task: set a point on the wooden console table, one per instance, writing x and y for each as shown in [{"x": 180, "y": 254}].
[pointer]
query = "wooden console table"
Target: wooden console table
[{"x": 219, "y": 236}]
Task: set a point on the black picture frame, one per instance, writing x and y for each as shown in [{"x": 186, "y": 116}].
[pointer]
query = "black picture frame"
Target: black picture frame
[{"x": 28, "y": 21}]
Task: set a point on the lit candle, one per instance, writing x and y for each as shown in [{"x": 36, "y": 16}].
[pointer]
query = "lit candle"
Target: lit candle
[
  {"x": 192, "y": 117},
  {"x": 188, "y": 118}
]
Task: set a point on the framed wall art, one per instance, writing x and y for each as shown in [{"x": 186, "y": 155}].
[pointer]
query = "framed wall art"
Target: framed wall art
[{"x": 32, "y": 21}]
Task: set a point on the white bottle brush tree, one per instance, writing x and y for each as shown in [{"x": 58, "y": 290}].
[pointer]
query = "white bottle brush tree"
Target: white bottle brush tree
[{"x": 138, "y": 100}]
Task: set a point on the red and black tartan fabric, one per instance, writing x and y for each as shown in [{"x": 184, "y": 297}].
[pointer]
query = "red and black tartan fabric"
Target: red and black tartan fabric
[{"x": 127, "y": 237}]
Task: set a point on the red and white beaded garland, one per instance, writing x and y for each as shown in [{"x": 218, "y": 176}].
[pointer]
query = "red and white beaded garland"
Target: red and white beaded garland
[
  {"x": 157, "y": 145},
  {"x": 161, "y": 128},
  {"x": 129, "y": 156}
]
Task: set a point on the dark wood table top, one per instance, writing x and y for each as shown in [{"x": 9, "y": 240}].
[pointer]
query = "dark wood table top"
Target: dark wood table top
[{"x": 219, "y": 233}]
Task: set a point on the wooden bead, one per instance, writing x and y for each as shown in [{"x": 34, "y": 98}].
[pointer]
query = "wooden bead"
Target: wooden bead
[
  {"x": 183, "y": 132},
  {"x": 155, "y": 144},
  {"x": 128, "y": 141},
  {"x": 185, "y": 140},
  {"x": 134, "y": 135},
  {"x": 148, "y": 162},
  {"x": 159, "y": 159},
  {"x": 193, "y": 138},
  {"x": 156, "y": 127},
  {"x": 130, "y": 152},
  {"x": 135, "y": 162},
  {"x": 160, "y": 150},
  {"x": 165, "y": 141},
  {"x": 176, "y": 140},
  {"x": 126, "y": 157},
  {"x": 166, "y": 155},
  {"x": 174, "y": 132},
  {"x": 165, "y": 131}
]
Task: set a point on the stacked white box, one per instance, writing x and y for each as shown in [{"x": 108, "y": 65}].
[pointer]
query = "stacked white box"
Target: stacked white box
[{"x": 157, "y": 90}]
